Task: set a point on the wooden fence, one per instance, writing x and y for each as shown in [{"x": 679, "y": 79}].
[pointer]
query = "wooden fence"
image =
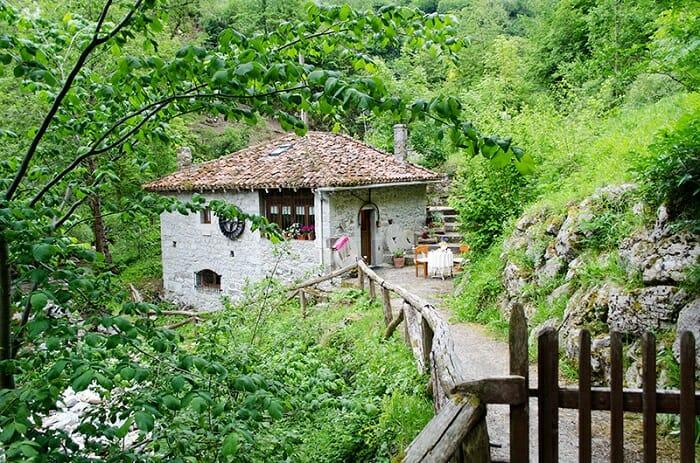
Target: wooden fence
[
  {"x": 458, "y": 431},
  {"x": 551, "y": 396}
]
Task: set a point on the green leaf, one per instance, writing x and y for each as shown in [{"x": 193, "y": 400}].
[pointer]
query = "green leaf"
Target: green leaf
[
  {"x": 156, "y": 25},
  {"x": 171, "y": 402},
  {"x": 56, "y": 370},
  {"x": 317, "y": 77},
  {"x": 230, "y": 445},
  {"x": 198, "y": 404},
  {"x": 82, "y": 381},
  {"x": 144, "y": 421},
  {"x": 127, "y": 373},
  {"x": 526, "y": 165},
  {"x": 42, "y": 252},
  {"x": 7, "y": 432},
  {"x": 345, "y": 12},
  {"x": 178, "y": 383},
  {"x": 220, "y": 77},
  {"x": 38, "y": 301},
  {"x": 124, "y": 428},
  {"x": 244, "y": 69},
  {"x": 275, "y": 409}
]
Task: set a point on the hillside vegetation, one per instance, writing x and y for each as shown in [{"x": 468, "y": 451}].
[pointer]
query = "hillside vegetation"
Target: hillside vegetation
[{"x": 569, "y": 129}]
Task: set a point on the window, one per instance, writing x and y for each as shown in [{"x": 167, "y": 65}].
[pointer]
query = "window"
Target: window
[
  {"x": 207, "y": 279},
  {"x": 288, "y": 207},
  {"x": 205, "y": 216}
]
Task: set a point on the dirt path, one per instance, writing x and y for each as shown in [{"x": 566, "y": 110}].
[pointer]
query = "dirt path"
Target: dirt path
[{"x": 485, "y": 356}]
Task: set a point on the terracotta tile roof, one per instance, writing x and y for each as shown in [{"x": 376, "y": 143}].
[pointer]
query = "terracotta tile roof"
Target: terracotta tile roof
[{"x": 319, "y": 159}]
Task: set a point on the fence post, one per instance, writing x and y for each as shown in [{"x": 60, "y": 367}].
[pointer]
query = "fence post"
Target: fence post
[
  {"x": 426, "y": 341},
  {"x": 386, "y": 298},
  {"x": 519, "y": 425},
  {"x": 548, "y": 395},
  {"x": 649, "y": 396},
  {"x": 372, "y": 289},
  {"x": 617, "y": 432},
  {"x": 584, "y": 397},
  {"x": 687, "y": 397},
  {"x": 302, "y": 303},
  {"x": 360, "y": 279}
]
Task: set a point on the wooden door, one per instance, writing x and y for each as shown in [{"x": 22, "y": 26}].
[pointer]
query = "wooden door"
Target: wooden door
[{"x": 366, "y": 235}]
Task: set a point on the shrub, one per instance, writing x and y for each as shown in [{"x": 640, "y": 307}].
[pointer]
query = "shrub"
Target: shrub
[
  {"x": 670, "y": 174},
  {"x": 487, "y": 197}
]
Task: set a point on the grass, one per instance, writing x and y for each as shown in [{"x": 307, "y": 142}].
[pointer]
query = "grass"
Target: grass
[{"x": 478, "y": 292}]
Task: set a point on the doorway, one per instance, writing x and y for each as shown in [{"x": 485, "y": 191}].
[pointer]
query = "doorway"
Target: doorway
[{"x": 366, "y": 224}]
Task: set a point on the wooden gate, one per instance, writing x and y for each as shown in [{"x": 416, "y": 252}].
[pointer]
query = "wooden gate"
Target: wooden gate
[{"x": 551, "y": 396}]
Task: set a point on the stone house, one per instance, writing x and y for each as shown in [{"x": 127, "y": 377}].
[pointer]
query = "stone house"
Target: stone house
[{"x": 330, "y": 186}]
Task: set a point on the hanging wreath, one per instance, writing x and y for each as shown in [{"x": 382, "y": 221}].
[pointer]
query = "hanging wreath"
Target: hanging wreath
[{"x": 232, "y": 228}]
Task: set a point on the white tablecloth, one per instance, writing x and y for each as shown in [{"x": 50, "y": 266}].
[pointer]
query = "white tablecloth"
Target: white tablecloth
[{"x": 440, "y": 263}]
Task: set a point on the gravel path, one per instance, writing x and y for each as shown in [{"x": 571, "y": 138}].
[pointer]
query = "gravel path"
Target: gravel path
[{"x": 485, "y": 356}]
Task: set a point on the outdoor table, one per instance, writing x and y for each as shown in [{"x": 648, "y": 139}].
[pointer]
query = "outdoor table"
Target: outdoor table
[{"x": 440, "y": 263}]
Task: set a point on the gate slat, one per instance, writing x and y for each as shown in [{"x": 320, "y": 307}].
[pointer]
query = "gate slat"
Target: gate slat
[
  {"x": 584, "y": 401},
  {"x": 547, "y": 403},
  {"x": 519, "y": 365},
  {"x": 616, "y": 402},
  {"x": 687, "y": 397},
  {"x": 649, "y": 396}
]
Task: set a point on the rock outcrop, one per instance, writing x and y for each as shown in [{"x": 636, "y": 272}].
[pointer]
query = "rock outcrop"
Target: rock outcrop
[{"x": 631, "y": 285}]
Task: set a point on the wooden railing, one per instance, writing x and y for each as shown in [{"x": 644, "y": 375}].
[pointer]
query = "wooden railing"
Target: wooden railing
[{"x": 457, "y": 433}]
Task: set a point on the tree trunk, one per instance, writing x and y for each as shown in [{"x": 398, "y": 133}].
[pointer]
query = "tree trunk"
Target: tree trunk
[
  {"x": 98, "y": 227},
  {"x": 98, "y": 223},
  {"x": 6, "y": 380}
]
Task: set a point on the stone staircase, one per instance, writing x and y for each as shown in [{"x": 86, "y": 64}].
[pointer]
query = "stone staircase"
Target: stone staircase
[{"x": 448, "y": 232}]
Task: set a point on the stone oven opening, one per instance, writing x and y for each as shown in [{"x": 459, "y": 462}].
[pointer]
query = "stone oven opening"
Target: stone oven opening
[{"x": 208, "y": 279}]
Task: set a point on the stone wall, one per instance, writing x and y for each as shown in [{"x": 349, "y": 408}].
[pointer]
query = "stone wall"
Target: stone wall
[
  {"x": 189, "y": 246},
  {"x": 399, "y": 212}
]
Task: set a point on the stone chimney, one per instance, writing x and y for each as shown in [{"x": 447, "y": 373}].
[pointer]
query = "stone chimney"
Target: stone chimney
[
  {"x": 184, "y": 157},
  {"x": 400, "y": 140}
]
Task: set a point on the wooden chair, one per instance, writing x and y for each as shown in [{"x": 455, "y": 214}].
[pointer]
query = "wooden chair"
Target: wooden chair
[
  {"x": 421, "y": 258},
  {"x": 459, "y": 260}
]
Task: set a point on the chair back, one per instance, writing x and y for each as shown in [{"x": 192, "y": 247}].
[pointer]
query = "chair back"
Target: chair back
[{"x": 422, "y": 249}]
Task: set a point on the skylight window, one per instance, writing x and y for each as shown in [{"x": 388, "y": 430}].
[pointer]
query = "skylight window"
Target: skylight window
[{"x": 281, "y": 149}]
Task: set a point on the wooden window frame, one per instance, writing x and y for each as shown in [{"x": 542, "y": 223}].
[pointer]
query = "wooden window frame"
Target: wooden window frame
[{"x": 281, "y": 200}]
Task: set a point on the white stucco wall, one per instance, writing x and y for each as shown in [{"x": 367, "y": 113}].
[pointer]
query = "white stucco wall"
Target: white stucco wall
[
  {"x": 401, "y": 212},
  {"x": 202, "y": 246},
  {"x": 189, "y": 246}
]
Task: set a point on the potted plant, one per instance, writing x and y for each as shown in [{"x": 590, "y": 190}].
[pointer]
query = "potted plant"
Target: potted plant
[
  {"x": 291, "y": 232},
  {"x": 399, "y": 258},
  {"x": 308, "y": 232}
]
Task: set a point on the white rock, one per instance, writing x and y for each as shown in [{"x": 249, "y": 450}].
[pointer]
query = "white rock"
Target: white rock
[
  {"x": 89, "y": 396},
  {"x": 688, "y": 320}
]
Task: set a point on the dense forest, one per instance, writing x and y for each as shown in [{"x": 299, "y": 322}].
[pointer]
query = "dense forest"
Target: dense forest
[{"x": 527, "y": 105}]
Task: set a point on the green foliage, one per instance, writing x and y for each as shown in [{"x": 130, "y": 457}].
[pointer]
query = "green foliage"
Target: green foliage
[
  {"x": 605, "y": 267},
  {"x": 611, "y": 220},
  {"x": 346, "y": 393},
  {"x": 478, "y": 290},
  {"x": 670, "y": 173},
  {"x": 486, "y": 198}
]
